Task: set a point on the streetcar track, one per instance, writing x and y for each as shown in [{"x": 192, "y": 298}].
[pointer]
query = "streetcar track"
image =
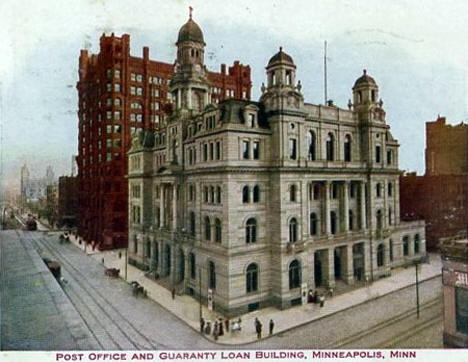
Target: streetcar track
[
  {"x": 81, "y": 284},
  {"x": 88, "y": 286},
  {"x": 392, "y": 342},
  {"x": 381, "y": 326}
]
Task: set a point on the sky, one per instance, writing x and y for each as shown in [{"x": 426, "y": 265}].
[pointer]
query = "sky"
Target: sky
[{"x": 416, "y": 51}]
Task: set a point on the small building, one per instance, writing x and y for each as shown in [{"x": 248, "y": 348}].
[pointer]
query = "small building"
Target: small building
[
  {"x": 454, "y": 253},
  {"x": 68, "y": 201}
]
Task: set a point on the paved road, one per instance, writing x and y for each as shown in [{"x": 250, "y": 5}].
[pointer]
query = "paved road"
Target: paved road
[{"x": 120, "y": 321}]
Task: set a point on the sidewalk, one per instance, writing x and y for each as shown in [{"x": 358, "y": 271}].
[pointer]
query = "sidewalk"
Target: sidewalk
[{"x": 186, "y": 308}]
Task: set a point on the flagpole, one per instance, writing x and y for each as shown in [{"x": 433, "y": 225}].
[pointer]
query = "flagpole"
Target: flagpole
[{"x": 325, "y": 73}]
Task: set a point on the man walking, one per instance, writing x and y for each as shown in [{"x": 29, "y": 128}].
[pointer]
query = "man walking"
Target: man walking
[
  {"x": 258, "y": 328},
  {"x": 202, "y": 325},
  {"x": 272, "y": 325}
]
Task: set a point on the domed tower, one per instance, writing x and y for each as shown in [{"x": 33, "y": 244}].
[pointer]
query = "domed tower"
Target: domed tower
[
  {"x": 189, "y": 85},
  {"x": 284, "y": 106},
  {"x": 281, "y": 89},
  {"x": 366, "y": 99}
]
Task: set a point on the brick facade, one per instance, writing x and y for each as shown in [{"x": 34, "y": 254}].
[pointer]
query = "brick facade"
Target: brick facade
[{"x": 120, "y": 94}]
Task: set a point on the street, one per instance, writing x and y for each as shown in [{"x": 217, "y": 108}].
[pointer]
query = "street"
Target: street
[{"x": 120, "y": 321}]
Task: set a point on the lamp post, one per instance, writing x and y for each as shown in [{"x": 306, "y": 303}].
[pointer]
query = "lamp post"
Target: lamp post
[
  {"x": 199, "y": 294},
  {"x": 126, "y": 262},
  {"x": 416, "y": 264}
]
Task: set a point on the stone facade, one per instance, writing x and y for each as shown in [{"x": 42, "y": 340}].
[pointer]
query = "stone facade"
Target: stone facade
[{"x": 264, "y": 200}]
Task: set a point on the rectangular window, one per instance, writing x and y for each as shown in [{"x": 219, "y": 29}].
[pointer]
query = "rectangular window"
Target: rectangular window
[
  {"x": 116, "y": 116},
  {"x": 109, "y": 156},
  {"x": 139, "y": 91},
  {"x": 117, "y": 73},
  {"x": 132, "y": 77},
  {"x": 205, "y": 152},
  {"x": 461, "y": 313},
  {"x": 109, "y": 129},
  {"x": 109, "y": 115},
  {"x": 245, "y": 149},
  {"x": 139, "y": 78},
  {"x": 117, "y": 87},
  {"x": 211, "y": 150},
  {"x": 218, "y": 150},
  {"x": 256, "y": 150},
  {"x": 292, "y": 148},
  {"x": 377, "y": 154}
]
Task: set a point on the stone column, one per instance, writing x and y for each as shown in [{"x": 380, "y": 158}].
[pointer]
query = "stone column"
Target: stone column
[
  {"x": 207, "y": 99},
  {"x": 367, "y": 260},
  {"x": 179, "y": 98},
  {"x": 330, "y": 272},
  {"x": 327, "y": 208},
  {"x": 346, "y": 206},
  {"x": 349, "y": 270},
  {"x": 161, "y": 206},
  {"x": 363, "y": 205},
  {"x": 385, "y": 215},
  {"x": 174, "y": 207}
]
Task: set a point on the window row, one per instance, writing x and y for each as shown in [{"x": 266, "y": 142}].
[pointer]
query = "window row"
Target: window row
[
  {"x": 249, "y": 152},
  {"x": 212, "y": 194},
  {"x": 250, "y": 193}
]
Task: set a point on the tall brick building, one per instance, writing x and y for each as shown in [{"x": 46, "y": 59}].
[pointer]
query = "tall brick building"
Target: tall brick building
[
  {"x": 440, "y": 197},
  {"x": 120, "y": 94}
]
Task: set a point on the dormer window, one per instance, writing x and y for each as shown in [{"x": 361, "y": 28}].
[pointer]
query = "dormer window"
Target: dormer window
[{"x": 251, "y": 120}]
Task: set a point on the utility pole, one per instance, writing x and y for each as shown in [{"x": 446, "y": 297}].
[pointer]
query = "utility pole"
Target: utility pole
[
  {"x": 417, "y": 289},
  {"x": 325, "y": 73},
  {"x": 199, "y": 294},
  {"x": 126, "y": 262}
]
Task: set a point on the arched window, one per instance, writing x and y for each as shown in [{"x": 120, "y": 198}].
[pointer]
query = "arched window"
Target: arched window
[
  {"x": 294, "y": 274},
  {"x": 390, "y": 189},
  {"x": 245, "y": 194},
  {"x": 218, "y": 230},
  {"x": 256, "y": 194},
  {"x": 192, "y": 223},
  {"x": 347, "y": 148},
  {"x": 313, "y": 223},
  {"x": 390, "y": 216},
  {"x": 333, "y": 222},
  {"x": 293, "y": 230},
  {"x": 157, "y": 213},
  {"x": 207, "y": 228},
  {"x": 379, "y": 219},
  {"x": 212, "y": 275},
  {"x": 359, "y": 97},
  {"x": 330, "y": 147},
  {"x": 416, "y": 243},
  {"x": 218, "y": 194},
  {"x": 405, "y": 245},
  {"x": 148, "y": 249},
  {"x": 135, "y": 244},
  {"x": 380, "y": 255},
  {"x": 251, "y": 231},
  {"x": 311, "y": 140},
  {"x": 251, "y": 278},
  {"x": 391, "y": 250},
  {"x": 292, "y": 193},
  {"x": 350, "y": 220},
  {"x": 193, "y": 266}
]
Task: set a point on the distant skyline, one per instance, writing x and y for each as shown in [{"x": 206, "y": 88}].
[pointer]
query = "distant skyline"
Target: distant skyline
[{"x": 417, "y": 54}]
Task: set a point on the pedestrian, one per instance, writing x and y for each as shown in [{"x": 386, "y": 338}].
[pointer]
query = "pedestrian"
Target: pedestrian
[
  {"x": 173, "y": 293},
  {"x": 316, "y": 297},
  {"x": 272, "y": 325},
  {"x": 202, "y": 325},
  {"x": 102, "y": 260},
  {"x": 226, "y": 324},
  {"x": 221, "y": 328},
  {"x": 310, "y": 296},
  {"x": 259, "y": 329},
  {"x": 322, "y": 300},
  {"x": 216, "y": 330},
  {"x": 208, "y": 328}
]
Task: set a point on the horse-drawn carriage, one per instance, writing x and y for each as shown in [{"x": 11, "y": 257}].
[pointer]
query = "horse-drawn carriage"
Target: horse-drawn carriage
[{"x": 112, "y": 272}]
